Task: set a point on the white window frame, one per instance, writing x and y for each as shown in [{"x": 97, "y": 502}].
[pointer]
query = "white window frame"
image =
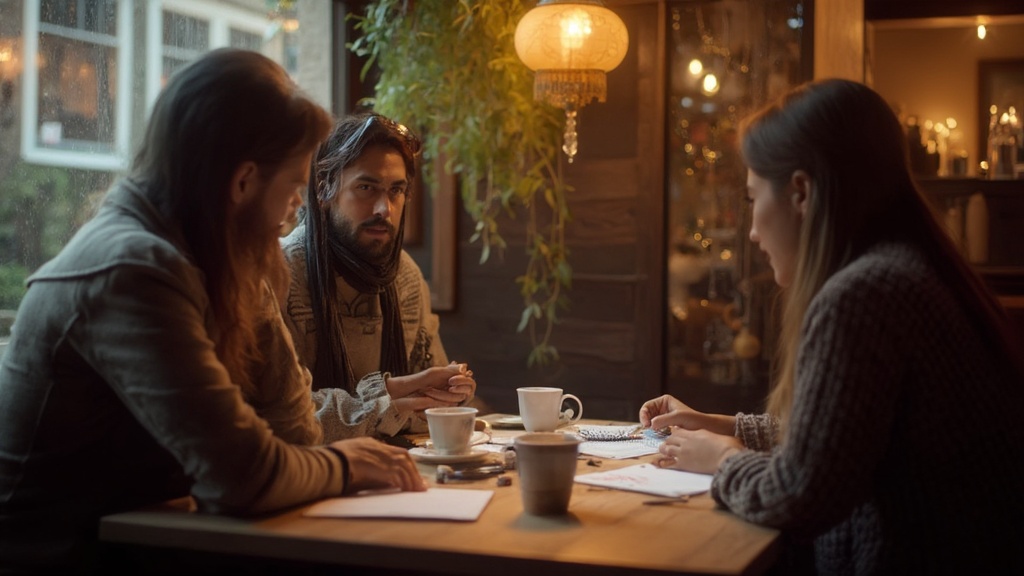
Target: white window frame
[
  {"x": 222, "y": 18},
  {"x": 31, "y": 150}
]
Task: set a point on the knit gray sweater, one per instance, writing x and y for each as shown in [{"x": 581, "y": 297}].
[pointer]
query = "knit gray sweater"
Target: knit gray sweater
[{"x": 903, "y": 450}]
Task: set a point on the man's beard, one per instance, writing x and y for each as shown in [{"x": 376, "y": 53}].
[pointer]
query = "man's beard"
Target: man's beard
[{"x": 376, "y": 252}]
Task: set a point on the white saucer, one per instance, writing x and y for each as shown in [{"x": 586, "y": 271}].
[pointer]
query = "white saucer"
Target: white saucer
[
  {"x": 429, "y": 456},
  {"x": 508, "y": 422},
  {"x": 476, "y": 439}
]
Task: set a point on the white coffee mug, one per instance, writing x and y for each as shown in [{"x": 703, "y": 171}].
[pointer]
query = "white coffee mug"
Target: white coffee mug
[
  {"x": 541, "y": 408},
  {"x": 451, "y": 429}
]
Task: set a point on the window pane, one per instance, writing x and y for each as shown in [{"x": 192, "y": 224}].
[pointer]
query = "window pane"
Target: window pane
[
  {"x": 46, "y": 194},
  {"x": 725, "y": 58},
  {"x": 184, "y": 38},
  {"x": 77, "y": 94},
  {"x": 89, "y": 15},
  {"x": 246, "y": 40},
  {"x": 185, "y": 32},
  {"x": 171, "y": 65}
]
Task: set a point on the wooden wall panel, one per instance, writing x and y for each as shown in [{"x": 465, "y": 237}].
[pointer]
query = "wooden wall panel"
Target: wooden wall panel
[
  {"x": 604, "y": 301},
  {"x": 604, "y": 179},
  {"x": 603, "y": 222},
  {"x": 839, "y": 39}
]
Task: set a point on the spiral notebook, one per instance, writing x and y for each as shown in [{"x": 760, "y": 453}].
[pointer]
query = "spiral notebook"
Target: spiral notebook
[{"x": 616, "y": 442}]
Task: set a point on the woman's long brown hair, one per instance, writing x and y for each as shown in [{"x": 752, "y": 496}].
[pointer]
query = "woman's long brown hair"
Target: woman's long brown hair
[
  {"x": 846, "y": 137},
  {"x": 228, "y": 107}
]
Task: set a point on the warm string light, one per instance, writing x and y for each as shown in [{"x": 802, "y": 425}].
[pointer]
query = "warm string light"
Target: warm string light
[
  {"x": 713, "y": 67},
  {"x": 709, "y": 86}
]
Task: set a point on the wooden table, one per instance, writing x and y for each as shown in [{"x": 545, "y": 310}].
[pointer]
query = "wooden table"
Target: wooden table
[{"x": 605, "y": 532}]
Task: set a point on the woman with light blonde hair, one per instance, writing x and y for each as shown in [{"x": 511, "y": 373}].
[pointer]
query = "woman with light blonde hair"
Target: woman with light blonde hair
[{"x": 892, "y": 436}]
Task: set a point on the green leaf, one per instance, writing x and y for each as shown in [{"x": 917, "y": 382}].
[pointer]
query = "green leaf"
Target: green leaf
[
  {"x": 564, "y": 273},
  {"x": 524, "y": 319}
]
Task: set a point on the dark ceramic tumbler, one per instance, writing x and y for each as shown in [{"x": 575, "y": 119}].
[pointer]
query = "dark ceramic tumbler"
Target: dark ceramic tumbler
[{"x": 547, "y": 467}]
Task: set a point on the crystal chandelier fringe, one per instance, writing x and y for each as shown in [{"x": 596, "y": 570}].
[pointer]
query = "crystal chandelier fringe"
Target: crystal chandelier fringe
[
  {"x": 569, "y": 87},
  {"x": 569, "y": 90},
  {"x": 570, "y": 141}
]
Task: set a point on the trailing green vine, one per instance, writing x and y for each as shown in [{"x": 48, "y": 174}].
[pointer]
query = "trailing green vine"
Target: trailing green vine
[{"x": 450, "y": 69}]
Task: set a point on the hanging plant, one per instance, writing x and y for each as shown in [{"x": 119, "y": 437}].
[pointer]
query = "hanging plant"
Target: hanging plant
[{"x": 450, "y": 69}]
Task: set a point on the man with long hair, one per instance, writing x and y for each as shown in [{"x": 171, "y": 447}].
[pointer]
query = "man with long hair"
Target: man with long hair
[
  {"x": 134, "y": 350},
  {"x": 358, "y": 307}
]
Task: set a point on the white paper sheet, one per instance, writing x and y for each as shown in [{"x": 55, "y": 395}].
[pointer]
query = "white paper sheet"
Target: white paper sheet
[
  {"x": 649, "y": 479},
  {"x": 434, "y": 504}
]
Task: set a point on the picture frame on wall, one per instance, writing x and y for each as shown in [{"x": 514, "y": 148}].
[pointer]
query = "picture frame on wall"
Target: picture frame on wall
[
  {"x": 414, "y": 210},
  {"x": 434, "y": 245},
  {"x": 443, "y": 240}
]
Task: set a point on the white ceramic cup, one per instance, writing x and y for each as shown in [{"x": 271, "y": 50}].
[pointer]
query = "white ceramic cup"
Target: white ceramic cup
[
  {"x": 451, "y": 429},
  {"x": 547, "y": 470},
  {"x": 541, "y": 408}
]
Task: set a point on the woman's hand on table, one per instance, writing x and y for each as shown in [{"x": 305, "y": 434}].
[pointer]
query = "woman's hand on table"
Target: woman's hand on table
[
  {"x": 374, "y": 464},
  {"x": 668, "y": 412},
  {"x": 697, "y": 450}
]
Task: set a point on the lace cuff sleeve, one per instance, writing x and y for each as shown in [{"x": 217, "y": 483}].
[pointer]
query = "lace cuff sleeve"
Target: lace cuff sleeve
[{"x": 369, "y": 412}]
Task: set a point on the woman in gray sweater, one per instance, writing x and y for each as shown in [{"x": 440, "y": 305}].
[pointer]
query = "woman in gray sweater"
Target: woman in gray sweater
[{"x": 892, "y": 435}]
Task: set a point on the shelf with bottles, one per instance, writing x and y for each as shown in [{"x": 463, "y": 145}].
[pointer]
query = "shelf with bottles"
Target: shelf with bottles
[
  {"x": 938, "y": 149},
  {"x": 1004, "y": 146},
  {"x": 999, "y": 225}
]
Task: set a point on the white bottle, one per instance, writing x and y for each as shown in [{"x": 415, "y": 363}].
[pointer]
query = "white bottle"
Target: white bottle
[
  {"x": 976, "y": 229},
  {"x": 1002, "y": 150},
  {"x": 955, "y": 224}
]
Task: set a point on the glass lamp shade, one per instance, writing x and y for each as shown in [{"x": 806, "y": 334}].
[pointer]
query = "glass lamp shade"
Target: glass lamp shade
[
  {"x": 580, "y": 35},
  {"x": 570, "y": 45}
]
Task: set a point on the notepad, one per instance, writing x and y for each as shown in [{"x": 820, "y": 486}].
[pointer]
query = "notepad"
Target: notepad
[
  {"x": 434, "y": 504},
  {"x": 649, "y": 479},
  {"x": 617, "y": 442},
  {"x": 610, "y": 432}
]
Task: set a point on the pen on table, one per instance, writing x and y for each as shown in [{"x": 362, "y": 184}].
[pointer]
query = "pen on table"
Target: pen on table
[{"x": 680, "y": 500}]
